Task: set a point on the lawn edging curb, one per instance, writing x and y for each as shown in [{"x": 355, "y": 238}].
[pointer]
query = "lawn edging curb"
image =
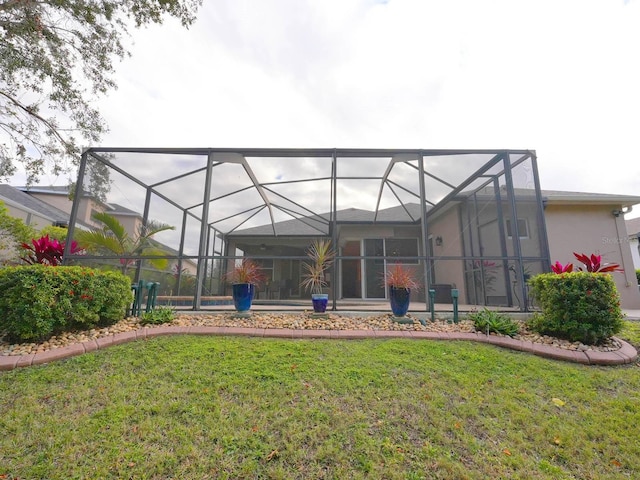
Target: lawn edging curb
[{"x": 625, "y": 355}]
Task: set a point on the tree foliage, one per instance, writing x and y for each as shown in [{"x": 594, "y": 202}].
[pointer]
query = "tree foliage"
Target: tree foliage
[{"x": 55, "y": 57}]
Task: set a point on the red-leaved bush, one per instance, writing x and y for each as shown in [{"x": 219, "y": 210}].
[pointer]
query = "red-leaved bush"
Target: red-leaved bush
[
  {"x": 46, "y": 251},
  {"x": 559, "y": 268},
  {"x": 592, "y": 263}
]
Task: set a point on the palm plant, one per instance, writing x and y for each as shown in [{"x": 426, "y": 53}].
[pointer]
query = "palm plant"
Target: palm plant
[
  {"x": 113, "y": 238},
  {"x": 321, "y": 255}
]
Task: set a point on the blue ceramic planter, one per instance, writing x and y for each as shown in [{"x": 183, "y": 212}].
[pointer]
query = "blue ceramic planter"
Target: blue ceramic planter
[
  {"x": 243, "y": 296},
  {"x": 399, "y": 300},
  {"x": 320, "y": 301}
]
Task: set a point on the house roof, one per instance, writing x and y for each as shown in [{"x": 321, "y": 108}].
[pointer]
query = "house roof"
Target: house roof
[
  {"x": 51, "y": 190},
  {"x": 19, "y": 199},
  {"x": 633, "y": 226},
  {"x": 560, "y": 197},
  {"x": 116, "y": 209},
  {"x": 410, "y": 214},
  {"x": 315, "y": 225}
]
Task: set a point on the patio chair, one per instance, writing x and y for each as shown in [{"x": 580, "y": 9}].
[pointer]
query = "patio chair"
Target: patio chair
[{"x": 139, "y": 294}]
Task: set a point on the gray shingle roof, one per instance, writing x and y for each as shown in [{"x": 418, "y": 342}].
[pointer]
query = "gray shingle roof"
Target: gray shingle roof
[
  {"x": 318, "y": 224},
  {"x": 115, "y": 208}
]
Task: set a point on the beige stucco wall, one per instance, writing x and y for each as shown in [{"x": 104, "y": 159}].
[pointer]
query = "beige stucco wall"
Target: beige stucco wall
[
  {"x": 635, "y": 251},
  {"x": 29, "y": 217},
  {"x": 593, "y": 229},
  {"x": 62, "y": 202},
  {"x": 131, "y": 223},
  {"x": 450, "y": 272}
]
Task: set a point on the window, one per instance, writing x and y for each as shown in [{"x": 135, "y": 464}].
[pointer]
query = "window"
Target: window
[
  {"x": 266, "y": 264},
  {"x": 402, "y": 247},
  {"x": 523, "y": 228}
]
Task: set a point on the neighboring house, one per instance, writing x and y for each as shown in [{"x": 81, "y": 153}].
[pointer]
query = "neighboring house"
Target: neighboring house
[
  {"x": 58, "y": 197},
  {"x": 31, "y": 210},
  {"x": 575, "y": 222},
  {"x": 41, "y": 206},
  {"x": 633, "y": 232}
]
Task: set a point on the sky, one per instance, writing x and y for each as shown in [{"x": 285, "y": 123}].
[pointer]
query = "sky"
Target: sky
[{"x": 558, "y": 77}]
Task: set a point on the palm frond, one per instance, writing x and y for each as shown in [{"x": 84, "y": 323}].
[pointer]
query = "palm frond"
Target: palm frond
[
  {"x": 98, "y": 240},
  {"x": 111, "y": 225}
]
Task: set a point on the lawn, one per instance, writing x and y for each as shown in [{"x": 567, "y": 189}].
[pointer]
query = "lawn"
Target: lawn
[{"x": 222, "y": 407}]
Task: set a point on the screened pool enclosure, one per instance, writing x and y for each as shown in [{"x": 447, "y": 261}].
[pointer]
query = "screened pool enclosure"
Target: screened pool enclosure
[{"x": 465, "y": 219}]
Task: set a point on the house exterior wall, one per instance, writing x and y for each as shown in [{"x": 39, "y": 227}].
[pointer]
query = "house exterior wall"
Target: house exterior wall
[
  {"x": 28, "y": 216},
  {"x": 449, "y": 272},
  {"x": 62, "y": 202},
  {"x": 287, "y": 273},
  {"x": 635, "y": 252},
  {"x": 593, "y": 229},
  {"x": 131, "y": 223}
]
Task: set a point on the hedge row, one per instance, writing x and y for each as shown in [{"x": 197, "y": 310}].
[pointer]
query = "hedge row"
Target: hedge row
[
  {"x": 578, "y": 306},
  {"x": 39, "y": 301}
]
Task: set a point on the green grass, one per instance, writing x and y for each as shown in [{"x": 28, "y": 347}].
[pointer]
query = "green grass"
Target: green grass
[
  {"x": 631, "y": 332},
  {"x": 215, "y": 407}
]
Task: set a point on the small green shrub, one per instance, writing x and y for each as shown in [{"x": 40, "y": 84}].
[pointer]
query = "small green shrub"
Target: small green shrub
[
  {"x": 638, "y": 276},
  {"x": 54, "y": 233},
  {"x": 157, "y": 316},
  {"x": 39, "y": 301},
  {"x": 578, "y": 306},
  {"x": 488, "y": 321}
]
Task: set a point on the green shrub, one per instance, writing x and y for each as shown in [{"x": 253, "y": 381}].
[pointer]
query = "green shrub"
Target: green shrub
[
  {"x": 488, "y": 321},
  {"x": 54, "y": 233},
  {"x": 13, "y": 232},
  {"x": 579, "y": 306},
  {"x": 638, "y": 276},
  {"x": 157, "y": 316},
  {"x": 39, "y": 301}
]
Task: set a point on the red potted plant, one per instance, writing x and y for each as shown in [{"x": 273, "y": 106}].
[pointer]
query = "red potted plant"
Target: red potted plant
[
  {"x": 400, "y": 280},
  {"x": 244, "y": 277}
]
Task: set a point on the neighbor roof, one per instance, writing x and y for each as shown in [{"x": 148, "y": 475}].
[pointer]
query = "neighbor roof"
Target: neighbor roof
[
  {"x": 51, "y": 190},
  {"x": 117, "y": 209}
]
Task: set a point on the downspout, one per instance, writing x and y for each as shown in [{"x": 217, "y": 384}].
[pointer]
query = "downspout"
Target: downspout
[{"x": 616, "y": 216}]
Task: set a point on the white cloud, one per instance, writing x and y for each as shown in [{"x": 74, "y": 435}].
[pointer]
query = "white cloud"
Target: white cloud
[{"x": 558, "y": 77}]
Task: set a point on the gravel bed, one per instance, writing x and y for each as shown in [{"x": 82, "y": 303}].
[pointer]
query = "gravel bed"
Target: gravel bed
[{"x": 293, "y": 321}]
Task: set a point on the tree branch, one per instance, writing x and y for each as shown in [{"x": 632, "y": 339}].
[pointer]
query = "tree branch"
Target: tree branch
[{"x": 52, "y": 129}]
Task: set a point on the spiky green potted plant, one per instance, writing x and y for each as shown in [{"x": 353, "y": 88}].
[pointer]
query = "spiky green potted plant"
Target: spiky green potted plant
[
  {"x": 321, "y": 256},
  {"x": 243, "y": 278},
  {"x": 400, "y": 280}
]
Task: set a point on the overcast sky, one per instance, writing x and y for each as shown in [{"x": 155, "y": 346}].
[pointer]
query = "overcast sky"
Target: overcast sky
[{"x": 561, "y": 77}]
